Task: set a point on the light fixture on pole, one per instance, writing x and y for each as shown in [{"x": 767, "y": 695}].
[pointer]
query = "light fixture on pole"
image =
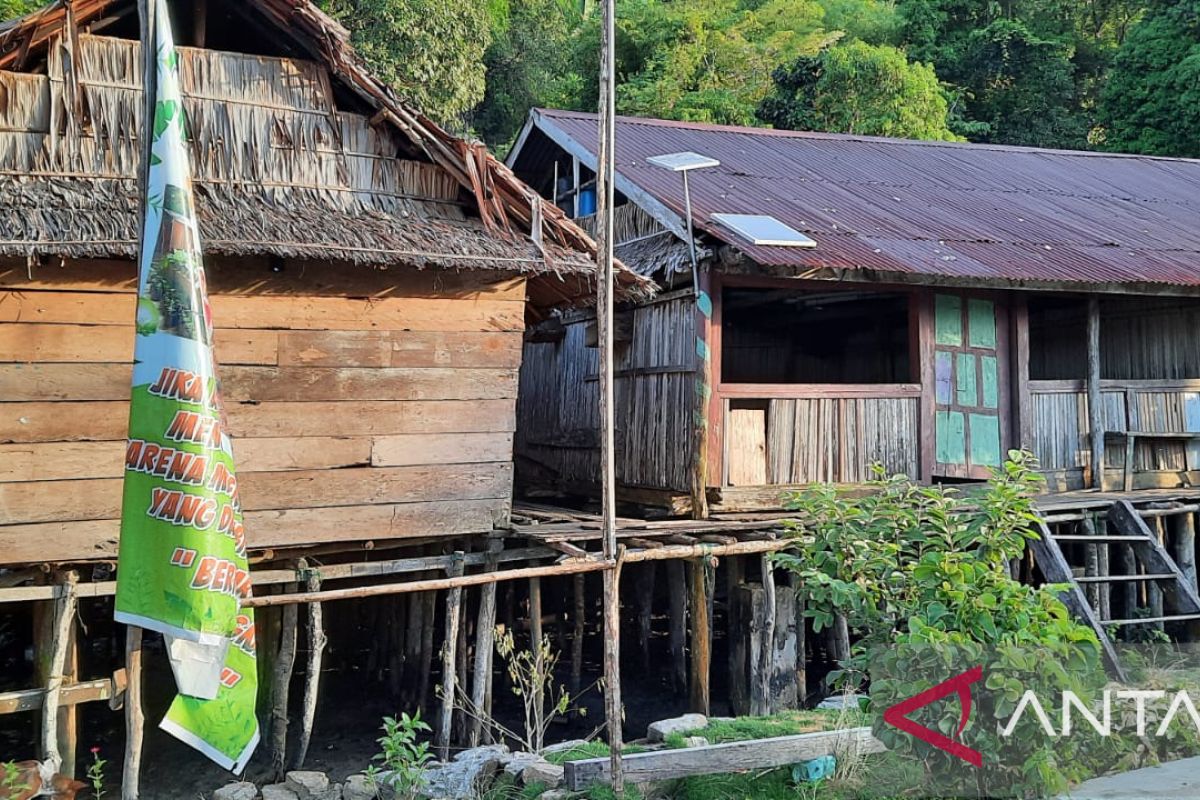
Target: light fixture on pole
[{"x": 684, "y": 163}]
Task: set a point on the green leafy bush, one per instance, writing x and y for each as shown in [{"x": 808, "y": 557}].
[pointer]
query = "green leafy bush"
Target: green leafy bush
[
  {"x": 404, "y": 760},
  {"x": 921, "y": 574}
]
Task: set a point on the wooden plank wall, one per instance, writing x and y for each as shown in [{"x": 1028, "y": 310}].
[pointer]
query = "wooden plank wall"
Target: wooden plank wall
[
  {"x": 837, "y": 439},
  {"x": 558, "y": 418},
  {"x": 1060, "y": 425},
  {"x": 363, "y": 404}
]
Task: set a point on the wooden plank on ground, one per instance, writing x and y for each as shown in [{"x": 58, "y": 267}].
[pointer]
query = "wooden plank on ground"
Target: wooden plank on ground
[
  {"x": 287, "y": 312},
  {"x": 42, "y": 342},
  {"x": 262, "y": 276},
  {"x": 62, "y": 501},
  {"x": 109, "y": 420},
  {"x": 661, "y": 765},
  {"x": 34, "y": 382}
]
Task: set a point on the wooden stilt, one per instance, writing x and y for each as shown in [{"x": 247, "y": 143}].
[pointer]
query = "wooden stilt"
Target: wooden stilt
[
  {"x": 1091, "y": 562},
  {"x": 1154, "y": 592},
  {"x": 1128, "y": 562},
  {"x": 485, "y": 631},
  {"x": 449, "y": 653},
  {"x": 464, "y": 666},
  {"x": 134, "y": 716},
  {"x": 797, "y": 589},
  {"x": 644, "y": 589},
  {"x": 739, "y": 687},
  {"x": 839, "y": 639},
  {"x": 613, "y": 712},
  {"x": 285, "y": 662},
  {"x": 580, "y": 622},
  {"x": 677, "y": 592},
  {"x": 425, "y": 659},
  {"x": 766, "y": 647},
  {"x": 1095, "y": 409},
  {"x": 312, "y": 674},
  {"x": 53, "y": 658},
  {"x": 535, "y": 633},
  {"x": 1184, "y": 529},
  {"x": 701, "y": 641}
]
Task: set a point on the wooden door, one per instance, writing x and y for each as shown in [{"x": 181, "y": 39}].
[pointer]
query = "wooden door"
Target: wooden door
[{"x": 971, "y": 385}]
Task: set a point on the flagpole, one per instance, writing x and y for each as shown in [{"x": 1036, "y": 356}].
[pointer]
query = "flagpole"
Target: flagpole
[
  {"x": 134, "y": 715},
  {"x": 605, "y": 166}
]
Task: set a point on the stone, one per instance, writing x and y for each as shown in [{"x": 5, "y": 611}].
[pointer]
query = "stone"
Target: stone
[
  {"x": 516, "y": 763},
  {"x": 278, "y": 791},
  {"x": 236, "y": 791},
  {"x": 695, "y": 741},
  {"x": 543, "y": 772},
  {"x": 359, "y": 787},
  {"x": 311, "y": 785},
  {"x": 562, "y": 747},
  {"x": 659, "y": 731},
  {"x": 467, "y": 774},
  {"x": 556, "y": 794},
  {"x": 839, "y": 702}
]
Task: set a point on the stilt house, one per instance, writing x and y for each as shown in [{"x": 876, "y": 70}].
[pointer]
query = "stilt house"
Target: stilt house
[
  {"x": 370, "y": 277},
  {"x": 922, "y": 305}
]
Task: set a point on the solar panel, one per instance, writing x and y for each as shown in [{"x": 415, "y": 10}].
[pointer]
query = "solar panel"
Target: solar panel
[
  {"x": 680, "y": 162},
  {"x": 764, "y": 230}
]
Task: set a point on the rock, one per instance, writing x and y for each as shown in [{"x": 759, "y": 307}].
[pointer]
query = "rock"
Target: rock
[
  {"x": 839, "y": 702},
  {"x": 309, "y": 785},
  {"x": 467, "y": 774},
  {"x": 236, "y": 791},
  {"x": 556, "y": 794},
  {"x": 563, "y": 747},
  {"x": 543, "y": 772},
  {"x": 658, "y": 731},
  {"x": 359, "y": 787},
  {"x": 516, "y": 763},
  {"x": 695, "y": 741},
  {"x": 278, "y": 791}
]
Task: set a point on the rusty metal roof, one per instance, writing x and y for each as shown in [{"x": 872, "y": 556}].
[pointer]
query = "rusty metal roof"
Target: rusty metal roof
[{"x": 940, "y": 210}]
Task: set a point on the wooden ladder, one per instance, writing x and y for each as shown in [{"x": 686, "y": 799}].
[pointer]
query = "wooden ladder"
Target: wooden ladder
[{"x": 1157, "y": 564}]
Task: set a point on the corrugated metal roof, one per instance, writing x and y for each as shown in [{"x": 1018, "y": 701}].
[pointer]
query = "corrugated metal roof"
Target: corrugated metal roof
[{"x": 949, "y": 210}]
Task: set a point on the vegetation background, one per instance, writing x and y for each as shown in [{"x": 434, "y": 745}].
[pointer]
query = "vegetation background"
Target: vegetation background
[{"x": 1116, "y": 75}]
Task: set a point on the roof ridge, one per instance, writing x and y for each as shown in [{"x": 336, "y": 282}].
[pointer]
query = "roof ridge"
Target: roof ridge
[{"x": 851, "y": 137}]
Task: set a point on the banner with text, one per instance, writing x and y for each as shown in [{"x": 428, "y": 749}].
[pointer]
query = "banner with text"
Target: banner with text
[{"x": 182, "y": 568}]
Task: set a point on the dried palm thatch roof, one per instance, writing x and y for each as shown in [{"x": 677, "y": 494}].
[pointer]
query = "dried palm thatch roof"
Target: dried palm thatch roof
[{"x": 280, "y": 169}]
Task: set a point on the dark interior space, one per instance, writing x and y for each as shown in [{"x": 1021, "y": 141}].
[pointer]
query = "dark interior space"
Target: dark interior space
[
  {"x": 1141, "y": 338},
  {"x": 785, "y": 336}
]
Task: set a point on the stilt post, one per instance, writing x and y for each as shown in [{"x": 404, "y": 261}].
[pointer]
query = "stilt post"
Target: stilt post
[
  {"x": 701, "y": 660},
  {"x": 312, "y": 673},
  {"x": 135, "y": 721},
  {"x": 485, "y": 631},
  {"x": 281, "y": 685},
  {"x": 449, "y": 653},
  {"x": 1095, "y": 404}
]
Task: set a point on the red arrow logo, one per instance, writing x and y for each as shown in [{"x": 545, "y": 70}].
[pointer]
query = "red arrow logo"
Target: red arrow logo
[{"x": 897, "y": 715}]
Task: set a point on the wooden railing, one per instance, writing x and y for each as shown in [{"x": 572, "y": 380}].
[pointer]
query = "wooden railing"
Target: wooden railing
[{"x": 802, "y": 433}]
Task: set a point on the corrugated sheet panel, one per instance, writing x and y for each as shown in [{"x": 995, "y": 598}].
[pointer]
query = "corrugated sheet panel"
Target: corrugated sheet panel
[{"x": 929, "y": 208}]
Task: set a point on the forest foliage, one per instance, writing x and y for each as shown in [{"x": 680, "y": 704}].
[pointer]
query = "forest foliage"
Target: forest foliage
[{"x": 1119, "y": 75}]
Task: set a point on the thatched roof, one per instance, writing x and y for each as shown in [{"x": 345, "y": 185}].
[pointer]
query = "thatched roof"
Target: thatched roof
[{"x": 280, "y": 167}]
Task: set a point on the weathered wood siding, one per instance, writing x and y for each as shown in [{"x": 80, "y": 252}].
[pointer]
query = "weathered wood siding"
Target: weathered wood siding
[
  {"x": 1060, "y": 426},
  {"x": 558, "y": 410},
  {"x": 837, "y": 439},
  {"x": 363, "y": 404}
]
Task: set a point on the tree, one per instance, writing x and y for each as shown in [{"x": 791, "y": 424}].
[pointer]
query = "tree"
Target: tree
[
  {"x": 11, "y": 9},
  {"x": 527, "y": 64},
  {"x": 429, "y": 51},
  {"x": 858, "y": 88},
  {"x": 1152, "y": 101}
]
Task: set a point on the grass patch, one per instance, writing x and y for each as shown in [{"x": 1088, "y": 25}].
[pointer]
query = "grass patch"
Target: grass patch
[{"x": 593, "y": 749}]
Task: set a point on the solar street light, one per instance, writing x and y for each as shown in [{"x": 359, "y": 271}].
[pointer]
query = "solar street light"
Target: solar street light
[{"x": 684, "y": 163}]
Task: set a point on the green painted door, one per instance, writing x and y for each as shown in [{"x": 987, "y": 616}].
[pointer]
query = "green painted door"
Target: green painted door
[{"x": 969, "y": 376}]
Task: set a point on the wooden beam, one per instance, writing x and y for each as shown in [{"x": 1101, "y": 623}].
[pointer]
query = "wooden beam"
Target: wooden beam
[
  {"x": 755, "y": 754},
  {"x": 32, "y": 699},
  {"x": 701, "y": 638},
  {"x": 284, "y": 663},
  {"x": 449, "y": 657},
  {"x": 312, "y": 672},
  {"x": 485, "y": 631}
]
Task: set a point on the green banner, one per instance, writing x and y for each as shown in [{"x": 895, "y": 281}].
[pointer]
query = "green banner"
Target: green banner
[{"x": 182, "y": 569}]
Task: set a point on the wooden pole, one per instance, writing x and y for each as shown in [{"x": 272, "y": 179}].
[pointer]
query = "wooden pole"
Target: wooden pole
[
  {"x": 579, "y": 630},
  {"x": 1095, "y": 404},
  {"x": 485, "y": 631},
  {"x": 701, "y": 640},
  {"x": 644, "y": 597},
  {"x": 64, "y": 618},
  {"x": 284, "y": 664},
  {"x": 449, "y": 652},
  {"x": 766, "y": 648},
  {"x": 425, "y": 664},
  {"x": 801, "y": 640},
  {"x": 535, "y": 635},
  {"x": 605, "y": 167},
  {"x": 134, "y": 717},
  {"x": 739, "y": 694},
  {"x": 1185, "y": 545},
  {"x": 677, "y": 594},
  {"x": 312, "y": 675}
]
